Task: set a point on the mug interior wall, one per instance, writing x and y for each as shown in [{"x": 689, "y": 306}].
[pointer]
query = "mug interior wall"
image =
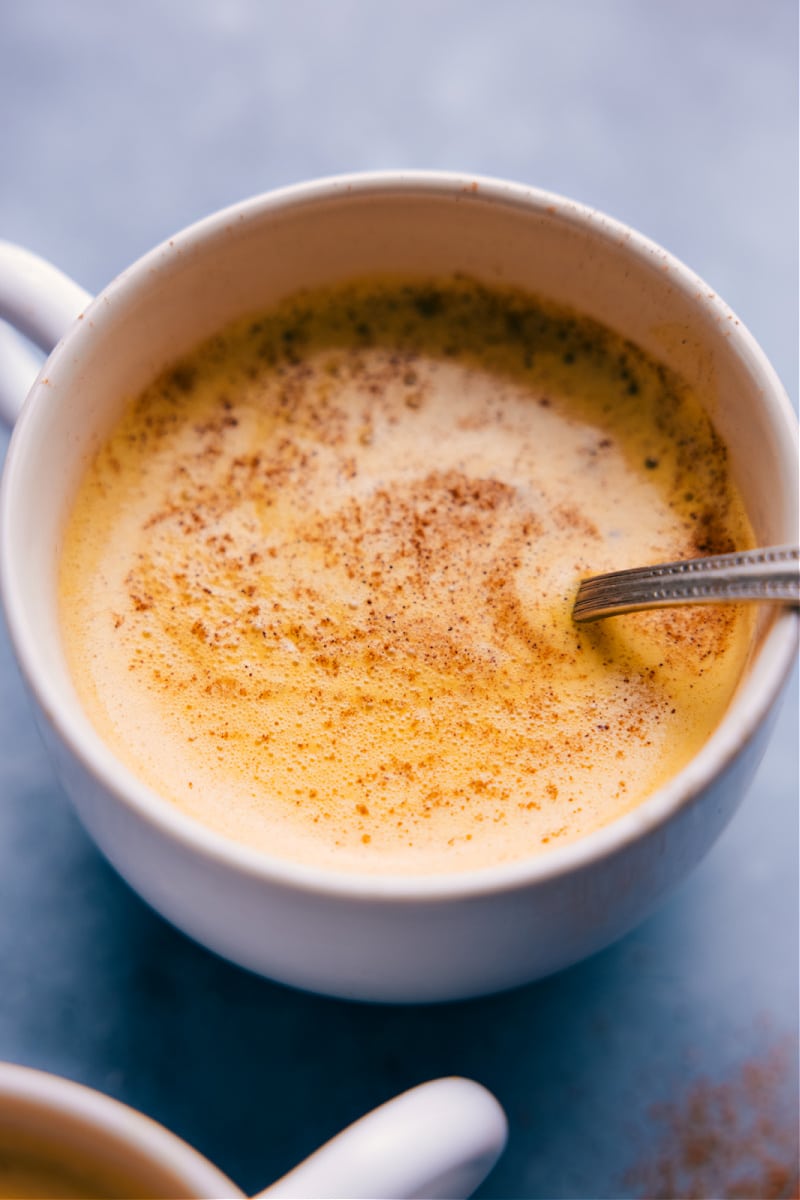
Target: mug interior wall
[{"x": 188, "y": 288}]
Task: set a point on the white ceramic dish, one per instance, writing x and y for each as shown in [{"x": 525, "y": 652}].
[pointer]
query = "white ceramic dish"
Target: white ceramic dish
[
  {"x": 391, "y": 939},
  {"x": 437, "y": 1140}
]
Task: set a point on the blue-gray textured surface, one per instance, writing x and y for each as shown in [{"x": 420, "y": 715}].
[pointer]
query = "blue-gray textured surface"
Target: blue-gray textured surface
[{"x": 121, "y": 124}]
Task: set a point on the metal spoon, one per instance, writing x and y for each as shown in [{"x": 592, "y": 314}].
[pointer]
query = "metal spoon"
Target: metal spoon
[{"x": 769, "y": 574}]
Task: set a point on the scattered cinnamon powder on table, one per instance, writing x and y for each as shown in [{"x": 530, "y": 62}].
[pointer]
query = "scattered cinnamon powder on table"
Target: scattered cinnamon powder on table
[{"x": 732, "y": 1139}]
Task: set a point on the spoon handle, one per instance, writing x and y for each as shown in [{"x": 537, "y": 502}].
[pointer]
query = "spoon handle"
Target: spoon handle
[{"x": 771, "y": 574}]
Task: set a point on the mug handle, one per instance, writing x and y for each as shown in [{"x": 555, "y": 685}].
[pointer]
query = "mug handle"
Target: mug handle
[
  {"x": 437, "y": 1141},
  {"x": 40, "y": 302}
]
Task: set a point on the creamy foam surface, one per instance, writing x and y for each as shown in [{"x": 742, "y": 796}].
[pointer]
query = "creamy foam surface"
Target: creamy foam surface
[{"x": 316, "y": 589}]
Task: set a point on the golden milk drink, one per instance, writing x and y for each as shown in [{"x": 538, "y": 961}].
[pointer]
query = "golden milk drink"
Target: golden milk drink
[{"x": 316, "y": 588}]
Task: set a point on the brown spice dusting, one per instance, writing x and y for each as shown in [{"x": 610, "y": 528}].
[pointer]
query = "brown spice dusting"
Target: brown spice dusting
[
  {"x": 183, "y": 377},
  {"x": 732, "y": 1139},
  {"x": 350, "y": 537}
]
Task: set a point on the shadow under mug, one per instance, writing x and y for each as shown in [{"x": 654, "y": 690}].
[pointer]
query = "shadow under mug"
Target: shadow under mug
[
  {"x": 390, "y": 939},
  {"x": 439, "y": 1139}
]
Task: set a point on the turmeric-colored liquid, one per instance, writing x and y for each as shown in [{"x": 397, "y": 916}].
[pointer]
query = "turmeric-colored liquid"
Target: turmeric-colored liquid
[
  {"x": 316, "y": 589},
  {"x": 36, "y": 1169}
]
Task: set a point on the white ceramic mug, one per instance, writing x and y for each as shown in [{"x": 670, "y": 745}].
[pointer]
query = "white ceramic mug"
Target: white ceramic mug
[
  {"x": 391, "y": 939},
  {"x": 440, "y": 1139}
]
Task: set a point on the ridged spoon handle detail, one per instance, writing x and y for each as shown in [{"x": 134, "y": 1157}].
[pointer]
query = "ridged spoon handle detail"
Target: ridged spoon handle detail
[{"x": 771, "y": 574}]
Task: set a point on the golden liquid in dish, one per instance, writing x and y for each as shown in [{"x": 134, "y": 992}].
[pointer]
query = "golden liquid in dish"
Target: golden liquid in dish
[
  {"x": 36, "y": 1170},
  {"x": 316, "y": 588},
  {"x": 24, "y": 1180}
]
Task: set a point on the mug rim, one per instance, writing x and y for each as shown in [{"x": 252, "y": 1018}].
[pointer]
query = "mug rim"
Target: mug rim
[
  {"x": 745, "y": 714},
  {"x": 59, "y": 1100}
]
